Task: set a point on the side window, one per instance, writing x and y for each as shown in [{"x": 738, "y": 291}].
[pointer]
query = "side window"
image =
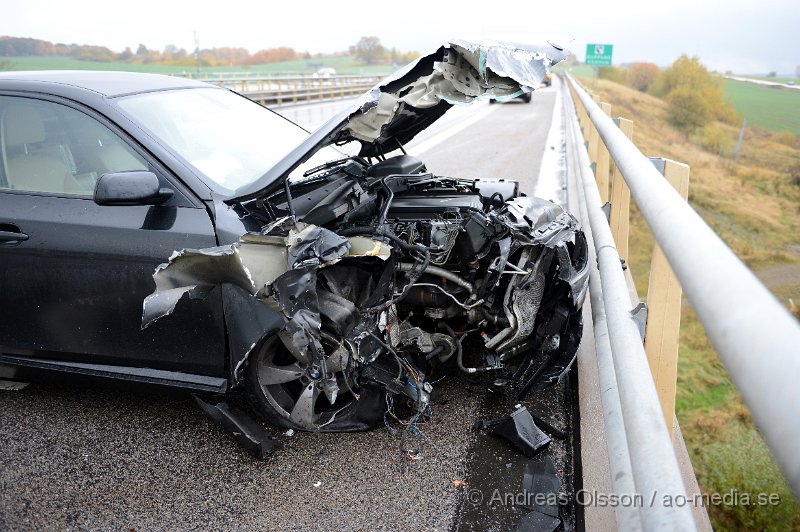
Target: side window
[{"x": 49, "y": 147}]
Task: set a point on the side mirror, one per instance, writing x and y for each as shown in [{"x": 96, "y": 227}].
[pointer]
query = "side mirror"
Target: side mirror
[{"x": 130, "y": 188}]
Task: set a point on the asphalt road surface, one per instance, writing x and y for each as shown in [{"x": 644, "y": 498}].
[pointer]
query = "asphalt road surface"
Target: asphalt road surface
[{"x": 119, "y": 458}]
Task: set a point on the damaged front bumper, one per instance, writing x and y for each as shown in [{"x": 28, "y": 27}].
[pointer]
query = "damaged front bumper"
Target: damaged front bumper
[{"x": 328, "y": 324}]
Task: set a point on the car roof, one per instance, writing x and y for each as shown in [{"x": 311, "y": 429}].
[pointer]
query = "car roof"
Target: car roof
[{"x": 109, "y": 84}]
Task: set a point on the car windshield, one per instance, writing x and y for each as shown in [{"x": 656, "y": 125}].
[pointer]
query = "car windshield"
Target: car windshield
[{"x": 227, "y": 138}]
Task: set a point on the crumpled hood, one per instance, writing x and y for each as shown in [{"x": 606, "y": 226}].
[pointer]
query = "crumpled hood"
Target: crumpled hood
[
  {"x": 405, "y": 103},
  {"x": 456, "y": 74}
]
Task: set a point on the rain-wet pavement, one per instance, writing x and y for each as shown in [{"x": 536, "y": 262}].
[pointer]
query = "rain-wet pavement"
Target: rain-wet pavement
[
  {"x": 495, "y": 498},
  {"x": 88, "y": 458},
  {"x": 121, "y": 458}
]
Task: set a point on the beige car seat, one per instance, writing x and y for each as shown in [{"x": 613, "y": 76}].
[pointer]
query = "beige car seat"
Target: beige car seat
[{"x": 28, "y": 166}]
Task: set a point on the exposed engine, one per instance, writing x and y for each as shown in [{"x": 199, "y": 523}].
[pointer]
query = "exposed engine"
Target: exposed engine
[
  {"x": 394, "y": 278},
  {"x": 472, "y": 265}
]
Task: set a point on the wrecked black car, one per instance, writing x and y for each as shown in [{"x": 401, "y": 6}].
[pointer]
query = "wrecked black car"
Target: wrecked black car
[{"x": 324, "y": 275}]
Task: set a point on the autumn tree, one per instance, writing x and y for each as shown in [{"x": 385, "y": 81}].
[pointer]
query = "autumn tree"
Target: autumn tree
[
  {"x": 369, "y": 50},
  {"x": 642, "y": 75},
  {"x": 694, "y": 96},
  {"x": 273, "y": 55},
  {"x": 688, "y": 109},
  {"x": 95, "y": 53}
]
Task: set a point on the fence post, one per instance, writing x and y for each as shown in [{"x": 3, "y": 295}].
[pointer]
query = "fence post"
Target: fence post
[
  {"x": 579, "y": 110},
  {"x": 584, "y": 121},
  {"x": 620, "y": 198},
  {"x": 664, "y": 307},
  {"x": 601, "y": 169},
  {"x": 592, "y": 137}
]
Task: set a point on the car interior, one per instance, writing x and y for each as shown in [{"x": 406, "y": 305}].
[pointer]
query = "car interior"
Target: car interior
[{"x": 51, "y": 148}]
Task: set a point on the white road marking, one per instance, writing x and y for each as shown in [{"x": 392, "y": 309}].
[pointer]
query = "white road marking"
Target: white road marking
[
  {"x": 551, "y": 184},
  {"x": 437, "y": 139}
]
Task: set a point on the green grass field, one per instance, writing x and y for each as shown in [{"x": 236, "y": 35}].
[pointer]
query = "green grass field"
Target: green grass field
[
  {"x": 343, "y": 65},
  {"x": 770, "y": 108}
]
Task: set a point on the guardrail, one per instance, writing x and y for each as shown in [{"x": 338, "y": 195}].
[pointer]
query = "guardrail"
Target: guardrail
[
  {"x": 754, "y": 335},
  {"x": 281, "y": 90}
]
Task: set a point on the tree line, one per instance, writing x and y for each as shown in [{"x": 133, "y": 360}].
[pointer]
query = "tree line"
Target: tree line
[
  {"x": 695, "y": 98},
  {"x": 170, "y": 55},
  {"x": 694, "y": 95},
  {"x": 368, "y": 50}
]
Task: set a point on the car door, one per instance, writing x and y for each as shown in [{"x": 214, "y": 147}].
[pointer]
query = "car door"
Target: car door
[{"x": 73, "y": 274}]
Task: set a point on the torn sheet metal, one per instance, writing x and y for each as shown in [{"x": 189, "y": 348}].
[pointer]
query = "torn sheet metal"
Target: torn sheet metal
[
  {"x": 314, "y": 246},
  {"x": 255, "y": 264},
  {"x": 194, "y": 272},
  {"x": 261, "y": 298},
  {"x": 457, "y": 74}
]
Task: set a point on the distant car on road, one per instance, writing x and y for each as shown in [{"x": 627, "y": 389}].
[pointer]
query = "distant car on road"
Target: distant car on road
[
  {"x": 525, "y": 97},
  {"x": 325, "y": 72}
]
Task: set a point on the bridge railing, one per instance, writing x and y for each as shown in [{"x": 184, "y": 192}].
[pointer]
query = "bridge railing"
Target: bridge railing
[
  {"x": 296, "y": 89},
  {"x": 755, "y": 336}
]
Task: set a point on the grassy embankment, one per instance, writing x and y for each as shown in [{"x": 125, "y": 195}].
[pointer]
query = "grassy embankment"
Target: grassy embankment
[
  {"x": 343, "y": 65},
  {"x": 755, "y": 207}
]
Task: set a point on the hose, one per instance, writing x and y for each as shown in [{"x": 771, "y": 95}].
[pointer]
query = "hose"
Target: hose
[
  {"x": 413, "y": 275},
  {"x": 440, "y": 272},
  {"x": 460, "y": 352}
]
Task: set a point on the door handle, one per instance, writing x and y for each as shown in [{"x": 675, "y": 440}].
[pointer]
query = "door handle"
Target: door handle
[{"x": 12, "y": 236}]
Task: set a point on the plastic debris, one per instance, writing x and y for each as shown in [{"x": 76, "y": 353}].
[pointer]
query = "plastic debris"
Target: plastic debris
[
  {"x": 519, "y": 429},
  {"x": 252, "y": 436}
]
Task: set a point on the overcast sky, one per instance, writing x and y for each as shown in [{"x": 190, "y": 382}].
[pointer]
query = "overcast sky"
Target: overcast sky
[{"x": 743, "y": 36}]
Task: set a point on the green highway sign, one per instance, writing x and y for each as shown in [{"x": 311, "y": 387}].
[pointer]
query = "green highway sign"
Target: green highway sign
[{"x": 599, "y": 54}]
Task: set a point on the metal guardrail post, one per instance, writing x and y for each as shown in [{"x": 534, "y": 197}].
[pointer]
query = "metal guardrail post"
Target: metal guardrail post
[
  {"x": 756, "y": 338},
  {"x": 655, "y": 469}
]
